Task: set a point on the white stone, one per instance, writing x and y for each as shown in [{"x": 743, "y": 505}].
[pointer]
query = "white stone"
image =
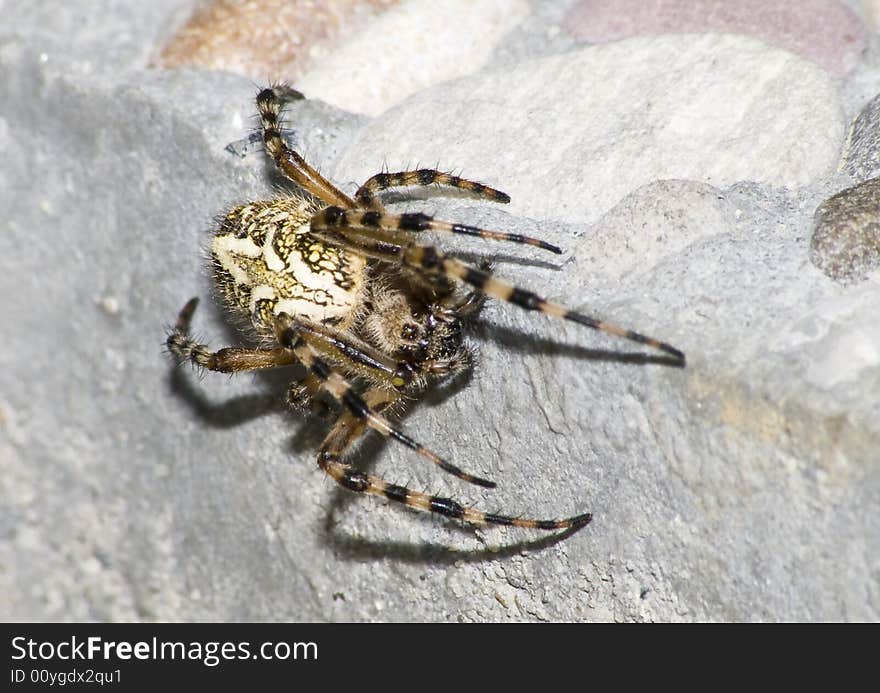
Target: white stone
[
  {"x": 409, "y": 47},
  {"x": 871, "y": 11},
  {"x": 656, "y": 221},
  {"x": 570, "y": 135}
]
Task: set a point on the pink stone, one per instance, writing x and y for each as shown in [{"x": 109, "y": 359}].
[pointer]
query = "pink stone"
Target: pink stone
[{"x": 824, "y": 31}]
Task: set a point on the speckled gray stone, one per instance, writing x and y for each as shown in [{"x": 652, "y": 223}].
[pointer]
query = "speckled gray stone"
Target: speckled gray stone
[
  {"x": 846, "y": 239},
  {"x": 861, "y": 154}
]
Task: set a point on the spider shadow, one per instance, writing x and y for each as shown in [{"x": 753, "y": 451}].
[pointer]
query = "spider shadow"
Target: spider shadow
[
  {"x": 353, "y": 548},
  {"x": 228, "y": 413},
  {"x": 511, "y": 339},
  {"x": 504, "y": 259}
]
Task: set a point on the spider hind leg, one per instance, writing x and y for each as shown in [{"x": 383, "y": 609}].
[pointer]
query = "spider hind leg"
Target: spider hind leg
[
  {"x": 347, "y": 430},
  {"x": 341, "y": 390},
  {"x": 226, "y": 360},
  {"x": 379, "y": 242}
]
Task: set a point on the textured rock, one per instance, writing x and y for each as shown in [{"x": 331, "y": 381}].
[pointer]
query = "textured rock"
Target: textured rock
[
  {"x": 825, "y": 31},
  {"x": 538, "y": 35},
  {"x": 861, "y": 154},
  {"x": 628, "y": 239},
  {"x": 744, "y": 487},
  {"x": 717, "y": 109},
  {"x": 846, "y": 238},
  {"x": 117, "y": 34},
  {"x": 410, "y": 47}
]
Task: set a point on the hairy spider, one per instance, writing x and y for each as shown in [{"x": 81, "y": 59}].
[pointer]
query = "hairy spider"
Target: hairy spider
[{"x": 338, "y": 285}]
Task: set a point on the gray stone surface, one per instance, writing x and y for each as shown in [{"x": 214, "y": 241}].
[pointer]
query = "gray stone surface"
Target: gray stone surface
[
  {"x": 744, "y": 487},
  {"x": 861, "y": 153},
  {"x": 846, "y": 238}
]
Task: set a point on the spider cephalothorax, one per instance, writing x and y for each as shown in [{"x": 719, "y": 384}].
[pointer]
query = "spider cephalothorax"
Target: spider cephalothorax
[{"x": 338, "y": 285}]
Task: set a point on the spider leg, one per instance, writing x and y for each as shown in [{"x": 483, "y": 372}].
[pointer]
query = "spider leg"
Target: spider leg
[
  {"x": 361, "y": 359},
  {"x": 350, "y": 353},
  {"x": 228, "y": 360},
  {"x": 395, "y": 227},
  {"x": 349, "y": 427},
  {"x": 431, "y": 262},
  {"x": 426, "y": 256},
  {"x": 288, "y": 161},
  {"x": 467, "y": 307},
  {"x": 366, "y": 194},
  {"x": 232, "y": 360},
  {"x": 289, "y": 336}
]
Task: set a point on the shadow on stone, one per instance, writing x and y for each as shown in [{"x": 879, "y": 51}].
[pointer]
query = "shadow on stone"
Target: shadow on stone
[{"x": 352, "y": 548}]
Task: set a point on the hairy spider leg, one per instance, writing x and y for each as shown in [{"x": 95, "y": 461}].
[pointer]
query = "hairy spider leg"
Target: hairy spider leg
[
  {"x": 270, "y": 103},
  {"x": 378, "y": 243},
  {"x": 366, "y": 194},
  {"x": 226, "y": 360},
  {"x": 299, "y": 345},
  {"x": 427, "y": 256},
  {"x": 288, "y": 161},
  {"x": 290, "y": 337},
  {"x": 397, "y": 226},
  {"x": 351, "y": 425}
]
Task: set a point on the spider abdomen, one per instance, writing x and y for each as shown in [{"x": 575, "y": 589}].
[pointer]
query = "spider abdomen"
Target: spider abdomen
[{"x": 266, "y": 263}]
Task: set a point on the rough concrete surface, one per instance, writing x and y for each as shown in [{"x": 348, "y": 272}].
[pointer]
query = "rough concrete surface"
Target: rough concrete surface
[{"x": 744, "y": 487}]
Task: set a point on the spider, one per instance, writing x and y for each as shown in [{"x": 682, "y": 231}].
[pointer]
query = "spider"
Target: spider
[{"x": 340, "y": 286}]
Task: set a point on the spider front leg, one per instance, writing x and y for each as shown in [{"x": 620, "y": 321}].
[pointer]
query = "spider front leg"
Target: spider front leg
[
  {"x": 227, "y": 360},
  {"x": 395, "y": 228},
  {"x": 349, "y": 427},
  {"x": 291, "y": 337},
  {"x": 366, "y": 194},
  {"x": 373, "y": 242},
  {"x": 298, "y": 347},
  {"x": 429, "y": 259},
  {"x": 269, "y": 104}
]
